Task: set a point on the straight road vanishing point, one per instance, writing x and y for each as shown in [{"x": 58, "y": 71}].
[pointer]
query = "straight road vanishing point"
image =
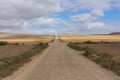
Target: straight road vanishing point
[{"x": 62, "y": 63}]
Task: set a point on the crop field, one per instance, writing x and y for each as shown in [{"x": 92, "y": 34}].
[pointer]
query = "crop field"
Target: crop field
[
  {"x": 17, "y": 38},
  {"x": 30, "y": 40},
  {"x": 95, "y": 38}
]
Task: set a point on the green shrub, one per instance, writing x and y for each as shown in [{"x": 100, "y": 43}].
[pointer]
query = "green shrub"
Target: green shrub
[
  {"x": 35, "y": 50},
  {"x": 3, "y": 43},
  {"x": 90, "y": 42},
  {"x": 5, "y": 70}
]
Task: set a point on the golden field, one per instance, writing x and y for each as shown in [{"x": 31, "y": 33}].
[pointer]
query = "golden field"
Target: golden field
[
  {"x": 18, "y": 38},
  {"x": 95, "y": 38}
]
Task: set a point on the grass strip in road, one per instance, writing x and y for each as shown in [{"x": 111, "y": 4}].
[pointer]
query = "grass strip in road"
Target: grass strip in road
[
  {"x": 10, "y": 64},
  {"x": 104, "y": 59}
]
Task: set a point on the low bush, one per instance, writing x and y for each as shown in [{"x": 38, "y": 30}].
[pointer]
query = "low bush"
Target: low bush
[
  {"x": 88, "y": 42},
  {"x": 91, "y": 42},
  {"x": 16, "y": 43},
  {"x": 3, "y": 43},
  {"x": 75, "y": 46},
  {"x": 104, "y": 42},
  {"x": 104, "y": 59},
  {"x": 5, "y": 70}
]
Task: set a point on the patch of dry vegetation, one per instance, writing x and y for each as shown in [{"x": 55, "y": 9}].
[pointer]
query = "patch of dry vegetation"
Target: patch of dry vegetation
[
  {"x": 111, "y": 48},
  {"x": 105, "y": 54},
  {"x": 14, "y": 49},
  {"x": 10, "y": 64}
]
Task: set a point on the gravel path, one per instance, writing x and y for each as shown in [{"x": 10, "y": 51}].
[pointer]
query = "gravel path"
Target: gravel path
[{"x": 62, "y": 63}]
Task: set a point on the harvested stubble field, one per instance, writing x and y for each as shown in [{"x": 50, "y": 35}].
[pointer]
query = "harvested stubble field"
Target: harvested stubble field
[
  {"x": 14, "y": 50},
  {"x": 110, "y": 48},
  {"x": 95, "y": 38}
]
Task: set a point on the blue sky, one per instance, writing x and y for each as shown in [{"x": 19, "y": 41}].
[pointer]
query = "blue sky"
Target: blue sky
[{"x": 56, "y": 17}]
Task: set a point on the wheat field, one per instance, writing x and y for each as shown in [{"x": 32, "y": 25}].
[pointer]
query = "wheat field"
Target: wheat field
[{"x": 96, "y": 38}]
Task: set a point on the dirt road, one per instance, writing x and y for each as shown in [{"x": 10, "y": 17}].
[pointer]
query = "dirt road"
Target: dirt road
[{"x": 62, "y": 63}]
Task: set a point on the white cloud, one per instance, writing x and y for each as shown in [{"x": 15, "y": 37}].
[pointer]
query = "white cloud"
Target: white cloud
[
  {"x": 88, "y": 21},
  {"x": 47, "y": 32},
  {"x": 11, "y": 24},
  {"x": 115, "y": 3},
  {"x": 27, "y": 9},
  {"x": 76, "y": 5},
  {"x": 95, "y": 26},
  {"x": 19, "y": 16},
  {"x": 14, "y": 26},
  {"x": 97, "y": 13},
  {"x": 46, "y": 22},
  {"x": 88, "y": 17}
]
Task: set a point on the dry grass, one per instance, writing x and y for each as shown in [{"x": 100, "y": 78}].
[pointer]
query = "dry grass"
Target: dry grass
[
  {"x": 110, "y": 48},
  {"x": 95, "y": 38},
  {"x": 17, "y": 38},
  {"x": 29, "y": 40}
]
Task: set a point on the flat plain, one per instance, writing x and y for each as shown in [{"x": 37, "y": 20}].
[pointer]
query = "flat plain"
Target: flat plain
[
  {"x": 58, "y": 62},
  {"x": 95, "y": 38},
  {"x": 18, "y": 43}
]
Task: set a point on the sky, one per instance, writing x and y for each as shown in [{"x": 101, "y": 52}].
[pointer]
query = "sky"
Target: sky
[{"x": 58, "y": 17}]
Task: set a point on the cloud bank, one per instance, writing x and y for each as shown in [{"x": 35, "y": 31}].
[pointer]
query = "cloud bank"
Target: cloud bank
[{"x": 49, "y": 16}]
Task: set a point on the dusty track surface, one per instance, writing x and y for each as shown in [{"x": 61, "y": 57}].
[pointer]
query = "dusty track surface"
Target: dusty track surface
[{"x": 62, "y": 63}]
